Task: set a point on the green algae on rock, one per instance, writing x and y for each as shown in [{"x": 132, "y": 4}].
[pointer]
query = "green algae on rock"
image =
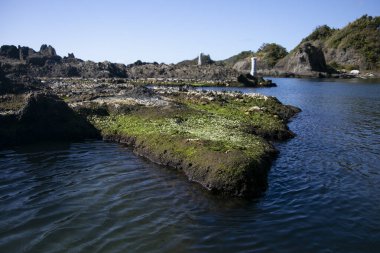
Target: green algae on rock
[{"x": 219, "y": 140}]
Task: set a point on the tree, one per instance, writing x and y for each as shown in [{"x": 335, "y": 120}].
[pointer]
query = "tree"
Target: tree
[{"x": 271, "y": 53}]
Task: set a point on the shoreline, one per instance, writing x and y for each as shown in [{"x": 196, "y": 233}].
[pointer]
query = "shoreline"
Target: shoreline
[{"x": 221, "y": 140}]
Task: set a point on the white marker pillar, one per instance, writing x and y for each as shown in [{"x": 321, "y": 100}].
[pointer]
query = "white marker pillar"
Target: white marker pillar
[
  {"x": 200, "y": 59},
  {"x": 253, "y": 66}
]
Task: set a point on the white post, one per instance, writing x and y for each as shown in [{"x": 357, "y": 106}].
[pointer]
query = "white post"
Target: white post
[
  {"x": 200, "y": 59},
  {"x": 253, "y": 66}
]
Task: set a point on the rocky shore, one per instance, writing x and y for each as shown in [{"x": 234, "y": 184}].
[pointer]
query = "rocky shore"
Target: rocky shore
[
  {"x": 45, "y": 63},
  {"x": 219, "y": 140}
]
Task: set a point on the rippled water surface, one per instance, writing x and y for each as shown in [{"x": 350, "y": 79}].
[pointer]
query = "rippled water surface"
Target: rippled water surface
[{"x": 323, "y": 195}]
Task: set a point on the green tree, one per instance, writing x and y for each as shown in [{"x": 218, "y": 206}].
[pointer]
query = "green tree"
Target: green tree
[
  {"x": 320, "y": 33},
  {"x": 271, "y": 53}
]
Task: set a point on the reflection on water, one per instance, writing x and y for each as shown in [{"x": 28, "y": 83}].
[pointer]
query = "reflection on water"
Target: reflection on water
[{"x": 323, "y": 196}]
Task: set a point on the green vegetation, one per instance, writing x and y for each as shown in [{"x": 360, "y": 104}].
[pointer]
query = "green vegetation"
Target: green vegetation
[
  {"x": 218, "y": 140},
  {"x": 363, "y": 35},
  {"x": 241, "y": 56},
  {"x": 320, "y": 33},
  {"x": 271, "y": 53}
]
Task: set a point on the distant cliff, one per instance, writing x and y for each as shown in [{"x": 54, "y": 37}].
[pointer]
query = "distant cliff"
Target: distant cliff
[{"x": 356, "y": 46}]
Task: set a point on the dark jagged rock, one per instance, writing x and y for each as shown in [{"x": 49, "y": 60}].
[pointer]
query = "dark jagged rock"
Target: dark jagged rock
[
  {"x": 9, "y": 52},
  {"x": 13, "y": 84},
  {"x": 46, "y": 50},
  {"x": 44, "y": 117},
  {"x": 252, "y": 81},
  {"x": 25, "y": 52},
  {"x": 46, "y": 63}
]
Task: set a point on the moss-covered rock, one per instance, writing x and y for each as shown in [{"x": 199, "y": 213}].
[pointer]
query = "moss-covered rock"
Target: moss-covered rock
[{"x": 208, "y": 135}]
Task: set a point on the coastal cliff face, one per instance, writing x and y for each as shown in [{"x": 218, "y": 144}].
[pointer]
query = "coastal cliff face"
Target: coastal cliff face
[
  {"x": 327, "y": 50},
  {"x": 305, "y": 60},
  {"x": 357, "y": 45}
]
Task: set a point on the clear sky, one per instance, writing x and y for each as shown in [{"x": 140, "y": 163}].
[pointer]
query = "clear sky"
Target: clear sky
[{"x": 169, "y": 30}]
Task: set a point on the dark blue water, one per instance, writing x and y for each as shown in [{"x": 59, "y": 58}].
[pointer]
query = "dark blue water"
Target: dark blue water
[{"x": 323, "y": 195}]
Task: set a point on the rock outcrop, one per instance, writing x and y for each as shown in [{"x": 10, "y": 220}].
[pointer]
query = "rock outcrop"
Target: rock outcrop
[
  {"x": 305, "y": 60},
  {"x": 213, "y": 72},
  {"x": 327, "y": 50},
  {"x": 11, "y": 52},
  {"x": 252, "y": 81},
  {"x": 220, "y": 140},
  {"x": 46, "y": 63},
  {"x": 13, "y": 84},
  {"x": 37, "y": 116}
]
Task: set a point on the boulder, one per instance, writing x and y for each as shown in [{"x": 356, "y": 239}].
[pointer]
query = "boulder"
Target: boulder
[
  {"x": 252, "y": 81},
  {"x": 44, "y": 117},
  {"x": 355, "y": 72}
]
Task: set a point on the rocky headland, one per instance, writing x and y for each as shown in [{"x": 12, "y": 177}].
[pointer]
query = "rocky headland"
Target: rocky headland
[{"x": 350, "y": 52}]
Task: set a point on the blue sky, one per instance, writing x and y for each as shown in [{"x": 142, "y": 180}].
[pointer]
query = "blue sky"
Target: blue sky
[{"x": 169, "y": 30}]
